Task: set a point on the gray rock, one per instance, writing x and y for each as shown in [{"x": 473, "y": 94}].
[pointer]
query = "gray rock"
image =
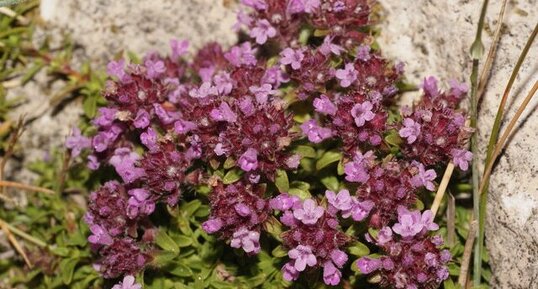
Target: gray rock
[{"x": 433, "y": 38}]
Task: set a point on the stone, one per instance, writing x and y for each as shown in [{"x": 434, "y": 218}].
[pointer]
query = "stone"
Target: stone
[{"x": 433, "y": 38}]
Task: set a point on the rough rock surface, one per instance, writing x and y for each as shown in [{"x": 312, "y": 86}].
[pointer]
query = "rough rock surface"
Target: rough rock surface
[
  {"x": 433, "y": 38},
  {"x": 100, "y": 29}
]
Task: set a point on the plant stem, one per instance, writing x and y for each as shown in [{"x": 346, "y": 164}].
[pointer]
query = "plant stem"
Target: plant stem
[
  {"x": 442, "y": 188},
  {"x": 25, "y": 187},
  {"x": 491, "y": 145},
  {"x": 23, "y": 235},
  {"x": 477, "y": 50},
  {"x": 465, "y": 262}
]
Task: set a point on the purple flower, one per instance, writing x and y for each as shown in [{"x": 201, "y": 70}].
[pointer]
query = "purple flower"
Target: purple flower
[
  {"x": 248, "y": 240},
  {"x": 363, "y": 53},
  {"x": 409, "y": 223},
  {"x": 206, "y": 73},
  {"x": 292, "y": 57},
  {"x": 142, "y": 119},
  {"x": 356, "y": 171},
  {"x": 256, "y": 4},
  {"x": 361, "y": 210},
  {"x": 275, "y": 76},
  {"x": 362, "y": 112},
  {"x": 458, "y": 89},
  {"x": 262, "y": 92},
  {"x": 430, "y": 86},
  {"x": 205, "y": 90},
  {"x": 223, "y": 83},
  {"x": 289, "y": 272},
  {"x": 179, "y": 48},
  {"x": 411, "y": 130},
  {"x": 106, "y": 117},
  {"x": 149, "y": 139},
  {"x": 183, "y": 126},
  {"x": 341, "y": 201},
  {"x": 293, "y": 161},
  {"x": 331, "y": 274},
  {"x": 424, "y": 177},
  {"x": 103, "y": 139},
  {"x": 223, "y": 113},
  {"x": 138, "y": 203},
  {"x": 242, "y": 209},
  {"x": 127, "y": 283},
  {"x": 427, "y": 221},
  {"x": 262, "y": 31},
  {"x": 338, "y": 257},
  {"x": 116, "y": 68},
  {"x": 165, "y": 116},
  {"x": 99, "y": 236},
  {"x": 76, "y": 142},
  {"x": 442, "y": 274},
  {"x": 249, "y": 160},
  {"x": 246, "y": 106},
  {"x": 384, "y": 236},
  {"x": 462, "y": 158},
  {"x": 324, "y": 105},
  {"x": 212, "y": 225},
  {"x": 283, "y": 202},
  {"x": 311, "y": 5},
  {"x": 243, "y": 19},
  {"x": 327, "y": 47},
  {"x": 124, "y": 161},
  {"x": 347, "y": 75},
  {"x": 93, "y": 164},
  {"x": 295, "y": 7},
  {"x": 314, "y": 132},
  {"x": 368, "y": 265},
  {"x": 241, "y": 55},
  {"x": 303, "y": 256},
  {"x": 309, "y": 213},
  {"x": 154, "y": 68},
  {"x": 445, "y": 256}
]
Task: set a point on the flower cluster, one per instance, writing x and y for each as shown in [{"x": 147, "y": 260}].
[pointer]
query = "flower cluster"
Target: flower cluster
[
  {"x": 314, "y": 238},
  {"x": 172, "y": 123},
  {"x": 411, "y": 258}
]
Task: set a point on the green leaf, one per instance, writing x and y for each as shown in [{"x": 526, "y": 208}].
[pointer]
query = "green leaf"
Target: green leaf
[
  {"x": 279, "y": 252},
  {"x": 67, "y": 267},
  {"x": 359, "y": 249},
  {"x": 180, "y": 270},
  {"x": 393, "y": 138},
  {"x": 183, "y": 241},
  {"x": 331, "y": 183},
  {"x": 188, "y": 209},
  {"x": 232, "y": 176},
  {"x": 60, "y": 251},
  {"x": 165, "y": 242},
  {"x": 281, "y": 181},
  {"x": 229, "y": 163},
  {"x": 163, "y": 258},
  {"x": 328, "y": 158},
  {"x": 90, "y": 106},
  {"x": 305, "y": 151}
]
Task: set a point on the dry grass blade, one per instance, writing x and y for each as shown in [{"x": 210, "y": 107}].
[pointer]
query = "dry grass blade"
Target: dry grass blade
[
  {"x": 451, "y": 221},
  {"x": 465, "y": 262},
  {"x": 15, "y": 243},
  {"x": 25, "y": 187},
  {"x": 507, "y": 132},
  {"x": 484, "y": 75},
  {"x": 442, "y": 188}
]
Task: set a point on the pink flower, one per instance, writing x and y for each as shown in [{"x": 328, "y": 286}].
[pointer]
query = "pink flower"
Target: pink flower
[
  {"x": 116, "y": 68},
  {"x": 127, "y": 283},
  {"x": 248, "y": 240},
  {"x": 410, "y": 223},
  {"x": 183, "y": 126},
  {"x": 293, "y": 161},
  {"x": 362, "y": 112},
  {"x": 324, "y": 105},
  {"x": 424, "y": 177},
  {"x": 262, "y": 31},
  {"x": 341, "y": 201},
  {"x": 241, "y": 55},
  {"x": 462, "y": 158},
  {"x": 331, "y": 275},
  {"x": 411, "y": 130},
  {"x": 430, "y": 86},
  {"x": 309, "y": 213},
  {"x": 338, "y": 257},
  {"x": 262, "y": 92},
  {"x": 289, "y": 272},
  {"x": 179, "y": 48},
  {"x": 292, "y": 57},
  {"x": 347, "y": 75},
  {"x": 142, "y": 119},
  {"x": 256, "y": 4},
  {"x": 99, "y": 236},
  {"x": 363, "y": 53},
  {"x": 283, "y": 202},
  {"x": 212, "y": 225},
  {"x": 368, "y": 265},
  {"x": 384, "y": 236},
  {"x": 314, "y": 132},
  {"x": 149, "y": 139},
  {"x": 327, "y": 47},
  {"x": 311, "y": 5},
  {"x": 124, "y": 161},
  {"x": 76, "y": 142},
  {"x": 154, "y": 68},
  {"x": 223, "y": 83},
  {"x": 361, "y": 210},
  {"x": 223, "y": 113},
  {"x": 249, "y": 160},
  {"x": 303, "y": 256},
  {"x": 205, "y": 90},
  {"x": 242, "y": 209},
  {"x": 356, "y": 170},
  {"x": 458, "y": 89}
]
